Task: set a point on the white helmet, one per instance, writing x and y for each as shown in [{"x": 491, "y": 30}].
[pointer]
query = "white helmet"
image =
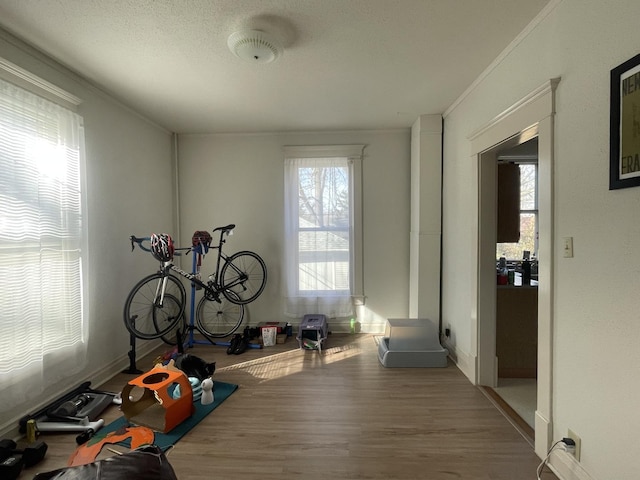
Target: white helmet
[{"x": 162, "y": 247}]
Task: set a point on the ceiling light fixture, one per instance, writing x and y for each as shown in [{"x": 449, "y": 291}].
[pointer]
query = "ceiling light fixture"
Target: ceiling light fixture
[{"x": 255, "y": 46}]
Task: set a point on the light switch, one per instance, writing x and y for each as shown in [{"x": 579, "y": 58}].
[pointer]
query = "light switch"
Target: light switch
[{"x": 568, "y": 247}]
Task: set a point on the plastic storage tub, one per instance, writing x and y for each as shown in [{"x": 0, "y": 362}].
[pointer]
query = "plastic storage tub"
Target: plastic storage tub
[{"x": 411, "y": 342}]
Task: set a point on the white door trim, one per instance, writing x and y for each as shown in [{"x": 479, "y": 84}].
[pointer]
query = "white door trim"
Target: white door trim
[{"x": 533, "y": 112}]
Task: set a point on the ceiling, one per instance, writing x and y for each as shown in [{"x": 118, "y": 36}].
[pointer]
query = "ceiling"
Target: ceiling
[{"x": 347, "y": 64}]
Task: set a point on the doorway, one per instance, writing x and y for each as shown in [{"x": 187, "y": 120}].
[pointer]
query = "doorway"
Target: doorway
[
  {"x": 517, "y": 294},
  {"x": 530, "y": 117}
]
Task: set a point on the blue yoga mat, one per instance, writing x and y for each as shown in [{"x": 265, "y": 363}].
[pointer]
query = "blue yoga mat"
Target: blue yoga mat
[{"x": 221, "y": 391}]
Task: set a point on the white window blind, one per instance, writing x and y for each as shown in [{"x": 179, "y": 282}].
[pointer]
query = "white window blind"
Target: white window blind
[
  {"x": 322, "y": 217},
  {"x": 42, "y": 327}
]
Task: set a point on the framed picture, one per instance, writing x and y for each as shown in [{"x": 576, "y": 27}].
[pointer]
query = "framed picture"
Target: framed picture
[{"x": 624, "y": 168}]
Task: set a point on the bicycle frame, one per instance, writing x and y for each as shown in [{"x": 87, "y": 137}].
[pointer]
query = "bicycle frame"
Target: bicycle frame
[
  {"x": 213, "y": 287},
  {"x": 213, "y": 278}
]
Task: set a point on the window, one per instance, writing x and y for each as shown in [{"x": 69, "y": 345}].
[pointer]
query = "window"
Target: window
[
  {"x": 322, "y": 230},
  {"x": 528, "y": 216},
  {"x": 42, "y": 327}
]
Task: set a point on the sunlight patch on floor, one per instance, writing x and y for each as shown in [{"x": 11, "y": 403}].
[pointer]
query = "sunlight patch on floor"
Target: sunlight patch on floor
[{"x": 283, "y": 364}]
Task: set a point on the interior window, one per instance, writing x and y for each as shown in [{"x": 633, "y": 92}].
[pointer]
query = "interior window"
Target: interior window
[{"x": 528, "y": 216}]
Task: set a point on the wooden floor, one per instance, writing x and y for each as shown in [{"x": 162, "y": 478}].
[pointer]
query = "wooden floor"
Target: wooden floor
[{"x": 336, "y": 415}]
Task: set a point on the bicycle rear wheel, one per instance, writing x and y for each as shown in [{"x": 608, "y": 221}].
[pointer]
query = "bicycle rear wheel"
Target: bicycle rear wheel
[
  {"x": 244, "y": 274},
  {"x": 219, "y": 318},
  {"x": 144, "y": 316}
]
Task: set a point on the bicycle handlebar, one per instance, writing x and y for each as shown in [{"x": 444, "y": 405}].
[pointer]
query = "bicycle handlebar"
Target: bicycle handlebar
[
  {"x": 139, "y": 240},
  {"x": 226, "y": 229}
]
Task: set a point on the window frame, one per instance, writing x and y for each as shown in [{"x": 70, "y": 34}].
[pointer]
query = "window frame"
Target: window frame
[
  {"x": 534, "y": 211},
  {"x": 354, "y": 154}
]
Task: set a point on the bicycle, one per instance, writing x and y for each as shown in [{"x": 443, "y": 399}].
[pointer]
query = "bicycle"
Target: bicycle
[{"x": 156, "y": 304}]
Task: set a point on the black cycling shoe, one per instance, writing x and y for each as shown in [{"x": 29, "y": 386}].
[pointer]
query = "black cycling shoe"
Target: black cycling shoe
[
  {"x": 242, "y": 346},
  {"x": 235, "y": 342}
]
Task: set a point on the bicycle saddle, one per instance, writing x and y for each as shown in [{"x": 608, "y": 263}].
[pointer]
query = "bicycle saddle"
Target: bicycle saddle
[{"x": 228, "y": 228}]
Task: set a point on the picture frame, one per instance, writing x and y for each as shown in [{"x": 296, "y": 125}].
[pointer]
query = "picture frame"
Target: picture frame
[{"x": 624, "y": 140}]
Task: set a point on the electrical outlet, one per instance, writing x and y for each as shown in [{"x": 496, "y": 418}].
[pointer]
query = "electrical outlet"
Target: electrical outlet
[
  {"x": 567, "y": 247},
  {"x": 576, "y": 439}
]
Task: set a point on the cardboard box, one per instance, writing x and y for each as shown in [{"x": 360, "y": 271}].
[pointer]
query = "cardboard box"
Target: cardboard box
[
  {"x": 280, "y": 326},
  {"x": 269, "y": 335},
  {"x": 280, "y": 338},
  {"x": 156, "y": 408}
]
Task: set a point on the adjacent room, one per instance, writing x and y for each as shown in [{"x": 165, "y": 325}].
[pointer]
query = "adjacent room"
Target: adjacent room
[{"x": 221, "y": 217}]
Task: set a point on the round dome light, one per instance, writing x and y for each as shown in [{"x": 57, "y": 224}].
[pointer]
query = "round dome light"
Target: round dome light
[{"x": 254, "y": 46}]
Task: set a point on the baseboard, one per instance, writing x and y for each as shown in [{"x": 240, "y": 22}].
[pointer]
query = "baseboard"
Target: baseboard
[
  {"x": 566, "y": 467},
  {"x": 343, "y": 325},
  {"x": 544, "y": 434},
  {"x": 465, "y": 362},
  {"x": 375, "y": 328},
  {"x": 110, "y": 370}
]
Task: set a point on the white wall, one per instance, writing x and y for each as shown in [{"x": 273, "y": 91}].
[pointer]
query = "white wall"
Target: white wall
[
  {"x": 239, "y": 179},
  {"x": 224, "y": 179},
  {"x": 129, "y": 182},
  {"x": 596, "y": 323}
]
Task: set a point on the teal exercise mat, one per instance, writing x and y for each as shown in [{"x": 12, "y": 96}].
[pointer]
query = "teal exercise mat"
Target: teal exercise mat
[{"x": 221, "y": 391}]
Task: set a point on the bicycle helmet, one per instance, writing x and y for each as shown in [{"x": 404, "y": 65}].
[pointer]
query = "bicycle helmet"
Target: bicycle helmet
[
  {"x": 201, "y": 237},
  {"x": 162, "y": 247}
]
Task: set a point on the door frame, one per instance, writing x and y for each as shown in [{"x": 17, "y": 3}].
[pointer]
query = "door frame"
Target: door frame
[{"x": 531, "y": 116}]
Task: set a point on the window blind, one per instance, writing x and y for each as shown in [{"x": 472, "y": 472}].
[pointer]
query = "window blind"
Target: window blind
[{"x": 42, "y": 328}]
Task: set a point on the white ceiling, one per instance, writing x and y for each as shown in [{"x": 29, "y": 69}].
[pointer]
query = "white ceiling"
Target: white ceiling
[{"x": 347, "y": 64}]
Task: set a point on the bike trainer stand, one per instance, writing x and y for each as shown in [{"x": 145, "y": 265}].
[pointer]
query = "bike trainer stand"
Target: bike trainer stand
[
  {"x": 76, "y": 411},
  {"x": 198, "y": 251}
]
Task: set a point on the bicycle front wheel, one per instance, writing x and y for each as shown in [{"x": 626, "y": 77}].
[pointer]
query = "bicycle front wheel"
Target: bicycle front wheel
[
  {"x": 243, "y": 277},
  {"x": 146, "y": 315},
  {"x": 219, "y": 317},
  {"x": 171, "y": 308}
]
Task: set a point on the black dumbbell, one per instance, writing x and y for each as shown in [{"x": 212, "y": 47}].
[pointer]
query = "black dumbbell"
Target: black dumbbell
[
  {"x": 11, "y": 467},
  {"x": 33, "y": 453},
  {"x": 12, "y": 460},
  {"x": 10, "y": 464}
]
